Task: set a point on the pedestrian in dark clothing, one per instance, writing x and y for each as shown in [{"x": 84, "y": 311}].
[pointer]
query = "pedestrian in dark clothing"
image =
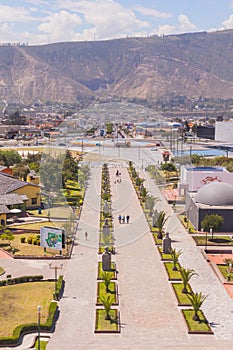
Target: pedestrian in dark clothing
[
  {"x": 127, "y": 219},
  {"x": 123, "y": 219},
  {"x": 119, "y": 218}
]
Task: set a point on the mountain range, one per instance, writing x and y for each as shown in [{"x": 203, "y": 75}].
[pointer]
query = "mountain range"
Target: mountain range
[{"x": 192, "y": 65}]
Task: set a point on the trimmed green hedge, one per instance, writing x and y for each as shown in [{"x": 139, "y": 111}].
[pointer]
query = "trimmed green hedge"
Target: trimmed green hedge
[
  {"x": 21, "y": 279},
  {"x": 31, "y": 327},
  {"x": 59, "y": 288}
]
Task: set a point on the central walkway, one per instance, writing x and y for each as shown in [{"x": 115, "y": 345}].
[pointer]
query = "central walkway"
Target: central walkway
[{"x": 150, "y": 318}]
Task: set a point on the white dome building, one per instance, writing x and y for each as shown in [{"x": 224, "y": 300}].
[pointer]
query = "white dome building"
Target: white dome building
[{"x": 213, "y": 198}]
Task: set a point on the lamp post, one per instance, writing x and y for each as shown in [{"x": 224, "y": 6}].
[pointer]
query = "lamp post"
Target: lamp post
[
  {"x": 211, "y": 232},
  {"x": 39, "y": 310},
  {"x": 55, "y": 268},
  {"x": 229, "y": 271}
]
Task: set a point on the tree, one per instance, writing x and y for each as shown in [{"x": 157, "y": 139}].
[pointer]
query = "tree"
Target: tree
[
  {"x": 186, "y": 275},
  {"x": 107, "y": 280},
  {"x": 143, "y": 193},
  {"x": 150, "y": 203},
  {"x": 107, "y": 303},
  {"x": 175, "y": 254},
  {"x": 196, "y": 299},
  {"x": 160, "y": 222},
  {"x": 212, "y": 221},
  {"x": 8, "y": 236}
]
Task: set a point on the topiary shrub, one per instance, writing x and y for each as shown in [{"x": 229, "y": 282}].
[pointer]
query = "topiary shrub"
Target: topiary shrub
[
  {"x": 23, "y": 239},
  {"x": 29, "y": 240}
]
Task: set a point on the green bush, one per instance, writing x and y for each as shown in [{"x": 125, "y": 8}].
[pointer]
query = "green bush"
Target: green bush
[
  {"x": 21, "y": 279},
  {"x": 23, "y": 239},
  {"x": 59, "y": 287},
  {"x": 29, "y": 240}
]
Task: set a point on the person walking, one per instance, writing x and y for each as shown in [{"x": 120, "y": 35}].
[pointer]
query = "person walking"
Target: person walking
[
  {"x": 127, "y": 219},
  {"x": 119, "y": 218},
  {"x": 86, "y": 235},
  {"x": 123, "y": 219}
]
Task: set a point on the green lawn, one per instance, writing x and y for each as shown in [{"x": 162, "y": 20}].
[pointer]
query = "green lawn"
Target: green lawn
[
  {"x": 224, "y": 270},
  {"x": 200, "y": 326},
  {"x": 103, "y": 325},
  {"x": 2, "y": 271},
  {"x": 101, "y": 292},
  {"x": 172, "y": 275},
  {"x": 27, "y": 249},
  {"x": 182, "y": 298},
  {"x": 18, "y": 304},
  {"x": 65, "y": 212},
  {"x": 43, "y": 345},
  {"x": 217, "y": 240},
  {"x": 100, "y": 271}
]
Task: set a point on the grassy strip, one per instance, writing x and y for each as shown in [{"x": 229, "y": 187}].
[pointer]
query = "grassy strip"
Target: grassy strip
[
  {"x": 173, "y": 275},
  {"x": 101, "y": 292},
  {"x": 2, "y": 271},
  {"x": 200, "y": 326},
  {"x": 163, "y": 255},
  {"x": 217, "y": 240},
  {"x": 105, "y": 326},
  {"x": 224, "y": 270},
  {"x": 43, "y": 345},
  {"x": 182, "y": 298},
  {"x": 100, "y": 271}
]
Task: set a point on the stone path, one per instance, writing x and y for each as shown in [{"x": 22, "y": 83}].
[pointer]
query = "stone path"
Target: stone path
[{"x": 150, "y": 318}]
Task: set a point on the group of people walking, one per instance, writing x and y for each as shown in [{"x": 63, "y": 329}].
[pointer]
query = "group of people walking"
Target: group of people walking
[{"x": 123, "y": 219}]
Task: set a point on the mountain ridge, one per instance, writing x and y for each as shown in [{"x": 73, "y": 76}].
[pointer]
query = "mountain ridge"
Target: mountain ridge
[{"x": 192, "y": 65}]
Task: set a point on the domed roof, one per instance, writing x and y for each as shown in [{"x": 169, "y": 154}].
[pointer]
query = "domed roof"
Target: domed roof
[{"x": 216, "y": 193}]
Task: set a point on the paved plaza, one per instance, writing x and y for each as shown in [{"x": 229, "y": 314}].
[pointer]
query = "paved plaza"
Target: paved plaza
[{"x": 149, "y": 315}]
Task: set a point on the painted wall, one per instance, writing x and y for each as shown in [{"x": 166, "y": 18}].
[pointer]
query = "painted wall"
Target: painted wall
[{"x": 32, "y": 192}]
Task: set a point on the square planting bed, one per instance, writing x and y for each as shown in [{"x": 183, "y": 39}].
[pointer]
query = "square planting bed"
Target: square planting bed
[
  {"x": 164, "y": 257},
  {"x": 173, "y": 275},
  {"x": 182, "y": 298},
  {"x": 196, "y": 327},
  {"x": 113, "y": 271},
  {"x": 107, "y": 326},
  {"x": 101, "y": 292}
]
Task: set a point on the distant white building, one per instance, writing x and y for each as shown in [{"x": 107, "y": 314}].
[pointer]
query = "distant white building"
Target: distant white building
[
  {"x": 224, "y": 131},
  {"x": 192, "y": 178}
]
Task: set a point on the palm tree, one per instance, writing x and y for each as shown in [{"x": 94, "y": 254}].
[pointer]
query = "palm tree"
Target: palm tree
[
  {"x": 186, "y": 275},
  {"x": 196, "y": 299},
  {"x": 107, "y": 279},
  {"x": 107, "y": 303},
  {"x": 150, "y": 203},
  {"x": 160, "y": 222},
  {"x": 143, "y": 193},
  {"x": 175, "y": 257}
]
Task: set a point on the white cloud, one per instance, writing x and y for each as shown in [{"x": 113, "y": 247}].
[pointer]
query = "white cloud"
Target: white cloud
[
  {"x": 228, "y": 23},
  {"x": 152, "y": 12},
  {"x": 14, "y": 14},
  {"x": 184, "y": 26},
  {"x": 108, "y": 18},
  {"x": 61, "y": 26}
]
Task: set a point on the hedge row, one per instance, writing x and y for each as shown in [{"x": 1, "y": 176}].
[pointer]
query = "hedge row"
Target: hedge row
[
  {"x": 21, "y": 279},
  {"x": 31, "y": 327}
]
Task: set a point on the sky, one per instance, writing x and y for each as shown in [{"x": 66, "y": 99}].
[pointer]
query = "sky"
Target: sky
[{"x": 38, "y": 22}]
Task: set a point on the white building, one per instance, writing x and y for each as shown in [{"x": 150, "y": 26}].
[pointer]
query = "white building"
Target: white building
[
  {"x": 224, "y": 131},
  {"x": 192, "y": 178}
]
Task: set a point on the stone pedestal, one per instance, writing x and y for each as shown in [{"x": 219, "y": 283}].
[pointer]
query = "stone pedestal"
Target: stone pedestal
[
  {"x": 167, "y": 244},
  {"x": 106, "y": 260}
]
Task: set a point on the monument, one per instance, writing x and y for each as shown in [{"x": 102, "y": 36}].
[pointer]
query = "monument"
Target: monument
[
  {"x": 106, "y": 260},
  {"x": 167, "y": 243}
]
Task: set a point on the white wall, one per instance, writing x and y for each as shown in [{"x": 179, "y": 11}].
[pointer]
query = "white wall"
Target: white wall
[{"x": 224, "y": 131}]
